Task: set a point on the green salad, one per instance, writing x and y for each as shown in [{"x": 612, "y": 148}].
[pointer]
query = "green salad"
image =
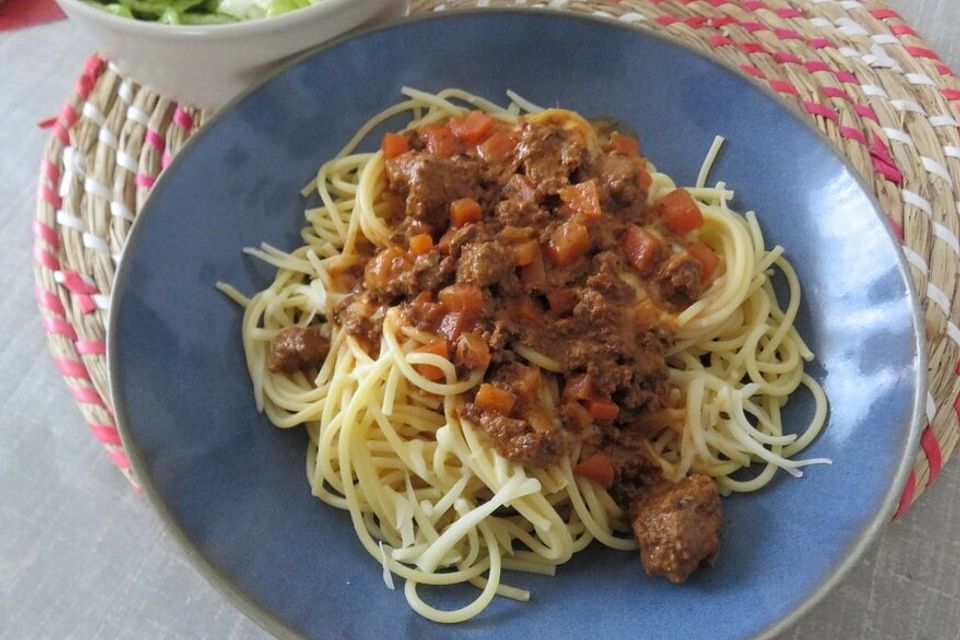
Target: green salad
[{"x": 198, "y": 11}]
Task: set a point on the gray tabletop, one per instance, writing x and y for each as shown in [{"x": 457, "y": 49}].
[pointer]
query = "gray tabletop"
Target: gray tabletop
[{"x": 81, "y": 556}]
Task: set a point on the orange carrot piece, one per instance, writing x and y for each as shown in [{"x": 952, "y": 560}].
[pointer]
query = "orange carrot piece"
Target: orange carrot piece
[
  {"x": 526, "y": 252},
  {"x": 491, "y": 398},
  {"x": 464, "y": 211},
  {"x": 440, "y": 141},
  {"x": 641, "y": 248},
  {"x": 583, "y": 199},
  {"x": 394, "y": 144},
  {"x": 474, "y": 127},
  {"x": 464, "y": 298},
  {"x": 568, "y": 243},
  {"x": 598, "y": 468},
  {"x": 420, "y": 243},
  {"x": 438, "y": 347},
  {"x": 497, "y": 147},
  {"x": 624, "y": 144},
  {"x": 603, "y": 410}
]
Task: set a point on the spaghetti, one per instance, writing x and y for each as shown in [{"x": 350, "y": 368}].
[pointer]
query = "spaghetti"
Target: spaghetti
[{"x": 409, "y": 438}]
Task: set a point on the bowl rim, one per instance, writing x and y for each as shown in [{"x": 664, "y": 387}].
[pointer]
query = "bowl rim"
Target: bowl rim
[
  {"x": 274, "y": 625},
  {"x": 225, "y": 31}
]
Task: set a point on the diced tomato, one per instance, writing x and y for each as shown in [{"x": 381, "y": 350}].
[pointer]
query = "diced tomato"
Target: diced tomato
[
  {"x": 491, "y": 398},
  {"x": 463, "y": 298},
  {"x": 526, "y": 252},
  {"x": 534, "y": 273},
  {"x": 438, "y": 347},
  {"x": 424, "y": 311},
  {"x": 645, "y": 178},
  {"x": 578, "y": 387},
  {"x": 474, "y": 127},
  {"x": 440, "y": 141},
  {"x": 603, "y": 410},
  {"x": 385, "y": 267},
  {"x": 624, "y": 144},
  {"x": 420, "y": 243},
  {"x": 577, "y": 414},
  {"x": 598, "y": 468},
  {"x": 525, "y": 310},
  {"x": 465, "y": 211},
  {"x": 452, "y": 325},
  {"x": 706, "y": 256},
  {"x": 394, "y": 144},
  {"x": 583, "y": 199},
  {"x": 473, "y": 351},
  {"x": 568, "y": 243},
  {"x": 497, "y": 147},
  {"x": 679, "y": 211},
  {"x": 641, "y": 248},
  {"x": 562, "y": 301},
  {"x": 646, "y": 315}
]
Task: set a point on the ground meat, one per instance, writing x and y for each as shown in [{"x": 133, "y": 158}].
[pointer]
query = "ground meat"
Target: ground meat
[
  {"x": 677, "y": 526},
  {"x": 517, "y": 439},
  {"x": 430, "y": 184},
  {"x": 680, "y": 280},
  {"x": 297, "y": 349},
  {"x": 484, "y": 263},
  {"x": 548, "y": 155},
  {"x": 359, "y": 315},
  {"x": 605, "y": 277},
  {"x": 619, "y": 179}
]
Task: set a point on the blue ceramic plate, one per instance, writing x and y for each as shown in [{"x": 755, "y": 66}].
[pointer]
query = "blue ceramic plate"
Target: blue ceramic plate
[{"x": 233, "y": 489}]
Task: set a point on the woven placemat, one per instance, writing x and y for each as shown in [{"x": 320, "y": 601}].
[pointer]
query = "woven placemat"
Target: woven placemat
[{"x": 866, "y": 79}]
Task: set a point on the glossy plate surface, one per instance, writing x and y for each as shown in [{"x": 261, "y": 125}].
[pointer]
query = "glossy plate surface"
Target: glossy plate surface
[{"x": 233, "y": 488}]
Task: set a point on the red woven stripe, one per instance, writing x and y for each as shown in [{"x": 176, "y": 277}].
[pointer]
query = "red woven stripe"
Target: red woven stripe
[
  {"x": 752, "y": 26},
  {"x": 50, "y": 196},
  {"x": 888, "y": 171},
  {"x": 907, "y": 496},
  {"x": 154, "y": 139},
  {"x": 752, "y": 47},
  {"x": 753, "y": 5},
  {"x": 822, "y": 110},
  {"x": 884, "y": 13},
  {"x": 666, "y": 21},
  {"x": 86, "y": 303},
  {"x": 950, "y": 94},
  {"x": 49, "y": 170},
  {"x": 854, "y": 134},
  {"x": 921, "y": 52},
  {"x": 119, "y": 457},
  {"x": 943, "y": 69},
  {"x": 47, "y": 259},
  {"x": 782, "y": 86},
  {"x": 46, "y": 233},
  {"x": 165, "y": 160},
  {"x": 836, "y": 92},
  {"x": 695, "y": 22},
  {"x": 902, "y": 30},
  {"x": 785, "y": 57},
  {"x": 68, "y": 115},
  {"x": 182, "y": 118},
  {"x": 106, "y": 433},
  {"x": 930, "y": 446},
  {"x": 75, "y": 283},
  {"x": 86, "y": 395},
  {"x": 722, "y": 21},
  {"x": 897, "y": 229},
  {"x": 787, "y": 34},
  {"x": 720, "y": 41},
  {"x": 91, "y": 347},
  {"x": 72, "y": 368},
  {"x": 143, "y": 180},
  {"x": 60, "y": 133},
  {"x": 845, "y": 76},
  {"x": 866, "y": 112},
  {"x": 753, "y": 71},
  {"x": 787, "y": 12},
  {"x": 49, "y": 301},
  {"x": 819, "y": 43},
  {"x": 59, "y": 327}
]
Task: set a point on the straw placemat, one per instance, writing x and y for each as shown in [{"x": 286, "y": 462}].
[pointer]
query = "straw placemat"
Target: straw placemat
[{"x": 865, "y": 78}]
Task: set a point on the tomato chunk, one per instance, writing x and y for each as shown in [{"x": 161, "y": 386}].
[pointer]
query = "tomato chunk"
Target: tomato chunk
[
  {"x": 465, "y": 211},
  {"x": 473, "y": 351},
  {"x": 440, "y": 141},
  {"x": 679, "y": 211},
  {"x": 578, "y": 387},
  {"x": 474, "y": 127},
  {"x": 463, "y": 298},
  {"x": 438, "y": 347},
  {"x": 562, "y": 301},
  {"x": 624, "y": 144},
  {"x": 598, "y": 468},
  {"x": 568, "y": 243},
  {"x": 641, "y": 248},
  {"x": 497, "y": 147},
  {"x": 394, "y": 144},
  {"x": 491, "y": 398},
  {"x": 603, "y": 410},
  {"x": 526, "y": 252},
  {"x": 706, "y": 256},
  {"x": 583, "y": 199}
]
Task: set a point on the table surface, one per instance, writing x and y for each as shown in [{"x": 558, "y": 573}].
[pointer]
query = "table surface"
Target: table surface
[{"x": 81, "y": 556}]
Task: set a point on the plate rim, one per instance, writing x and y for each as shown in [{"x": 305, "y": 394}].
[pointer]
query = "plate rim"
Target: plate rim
[{"x": 272, "y": 623}]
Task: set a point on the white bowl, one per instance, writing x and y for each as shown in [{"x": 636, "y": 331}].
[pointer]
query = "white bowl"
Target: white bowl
[{"x": 204, "y": 66}]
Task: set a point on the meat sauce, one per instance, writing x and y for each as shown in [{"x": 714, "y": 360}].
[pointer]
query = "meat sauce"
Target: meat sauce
[{"x": 541, "y": 238}]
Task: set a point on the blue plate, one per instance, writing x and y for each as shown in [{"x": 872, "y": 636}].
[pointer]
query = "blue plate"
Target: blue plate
[{"x": 233, "y": 489}]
